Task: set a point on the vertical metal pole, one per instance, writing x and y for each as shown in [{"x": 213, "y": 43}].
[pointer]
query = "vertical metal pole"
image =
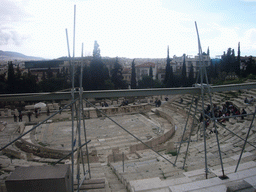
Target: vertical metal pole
[
  {"x": 72, "y": 115},
  {"x": 202, "y": 96},
  {"x": 74, "y": 30},
  {"x": 190, "y": 133},
  {"x": 215, "y": 127},
  {"x": 73, "y": 89},
  {"x": 87, "y": 152},
  {"x": 245, "y": 140},
  {"x": 80, "y": 104},
  {"x": 184, "y": 131}
]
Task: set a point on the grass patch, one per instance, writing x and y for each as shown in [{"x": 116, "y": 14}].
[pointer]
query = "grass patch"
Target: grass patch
[
  {"x": 164, "y": 176},
  {"x": 173, "y": 153}
]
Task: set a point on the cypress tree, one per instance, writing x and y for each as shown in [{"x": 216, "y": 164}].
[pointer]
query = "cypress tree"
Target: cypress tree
[
  {"x": 133, "y": 76},
  {"x": 238, "y": 60},
  {"x": 99, "y": 73},
  {"x": 167, "y": 78},
  {"x": 151, "y": 72},
  {"x": 151, "y": 76},
  {"x": 11, "y": 79},
  {"x": 117, "y": 77},
  {"x": 183, "y": 72},
  {"x": 191, "y": 75}
]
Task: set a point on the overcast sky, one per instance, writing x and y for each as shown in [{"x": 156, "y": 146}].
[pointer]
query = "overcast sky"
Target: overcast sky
[{"x": 127, "y": 28}]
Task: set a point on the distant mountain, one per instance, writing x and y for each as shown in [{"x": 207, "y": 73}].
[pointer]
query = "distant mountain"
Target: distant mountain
[{"x": 9, "y": 55}]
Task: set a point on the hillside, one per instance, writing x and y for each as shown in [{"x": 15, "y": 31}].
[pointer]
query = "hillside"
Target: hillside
[{"x": 9, "y": 55}]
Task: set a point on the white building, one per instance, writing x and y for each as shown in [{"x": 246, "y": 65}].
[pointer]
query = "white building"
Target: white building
[
  {"x": 177, "y": 63},
  {"x": 143, "y": 70}
]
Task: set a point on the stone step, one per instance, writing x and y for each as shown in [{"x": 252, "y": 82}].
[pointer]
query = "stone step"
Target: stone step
[
  {"x": 91, "y": 184},
  {"x": 212, "y": 184}
]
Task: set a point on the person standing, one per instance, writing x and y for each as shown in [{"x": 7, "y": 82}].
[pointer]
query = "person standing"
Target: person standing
[
  {"x": 20, "y": 116},
  {"x": 243, "y": 113},
  {"x": 48, "y": 111},
  {"x": 29, "y": 116},
  {"x": 36, "y": 112},
  {"x": 15, "y": 117}
]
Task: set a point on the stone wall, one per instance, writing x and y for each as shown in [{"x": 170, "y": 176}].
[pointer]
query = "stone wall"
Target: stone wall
[
  {"x": 158, "y": 143},
  {"x": 93, "y": 113},
  {"x": 155, "y": 143}
]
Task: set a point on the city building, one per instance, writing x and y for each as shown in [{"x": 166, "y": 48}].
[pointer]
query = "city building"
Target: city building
[
  {"x": 189, "y": 60},
  {"x": 144, "y": 69}
]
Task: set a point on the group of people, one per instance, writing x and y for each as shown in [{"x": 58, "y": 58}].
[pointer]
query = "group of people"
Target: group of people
[
  {"x": 105, "y": 104},
  {"x": 18, "y": 116},
  {"x": 124, "y": 103},
  {"x": 228, "y": 109},
  {"x": 29, "y": 114}
]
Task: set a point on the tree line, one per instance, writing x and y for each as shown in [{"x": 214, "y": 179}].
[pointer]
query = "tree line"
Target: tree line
[{"x": 97, "y": 76}]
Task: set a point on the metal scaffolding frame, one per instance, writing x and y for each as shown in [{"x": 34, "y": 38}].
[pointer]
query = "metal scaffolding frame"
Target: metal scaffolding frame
[
  {"x": 206, "y": 90},
  {"x": 79, "y": 96}
]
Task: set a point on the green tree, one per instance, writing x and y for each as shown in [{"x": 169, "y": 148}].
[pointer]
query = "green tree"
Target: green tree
[
  {"x": 151, "y": 72},
  {"x": 49, "y": 73},
  {"x": 77, "y": 76},
  {"x": 191, "y": 79},
  {"x": 145, "y": 82},
  {"x": 29, "y": 84},
  {"x": 117, "y": 76},
  {"x": 18, "y": 73},
  {"x": 11, "y": 79},
  {"x": 96, "y": 51},
  {"x": 133, "y": 76},
  {"x": 99, "y": 73},
  {"x": 250, "y": 67},
  {"x": 168, "y": 74},
  {"x": 237, "y": 70},
  {"x": 228, "y": 61},
  {"x": 3, "y": 84},
  {"x": 44, "y": 76},
  {"x": 184, "y": 72},
  {"x": 151, "y": 76},
  {"x": 86, "y": 78}
]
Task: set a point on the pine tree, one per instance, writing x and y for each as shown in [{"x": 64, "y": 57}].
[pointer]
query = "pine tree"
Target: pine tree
[{"x": 133, "y": 76}]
